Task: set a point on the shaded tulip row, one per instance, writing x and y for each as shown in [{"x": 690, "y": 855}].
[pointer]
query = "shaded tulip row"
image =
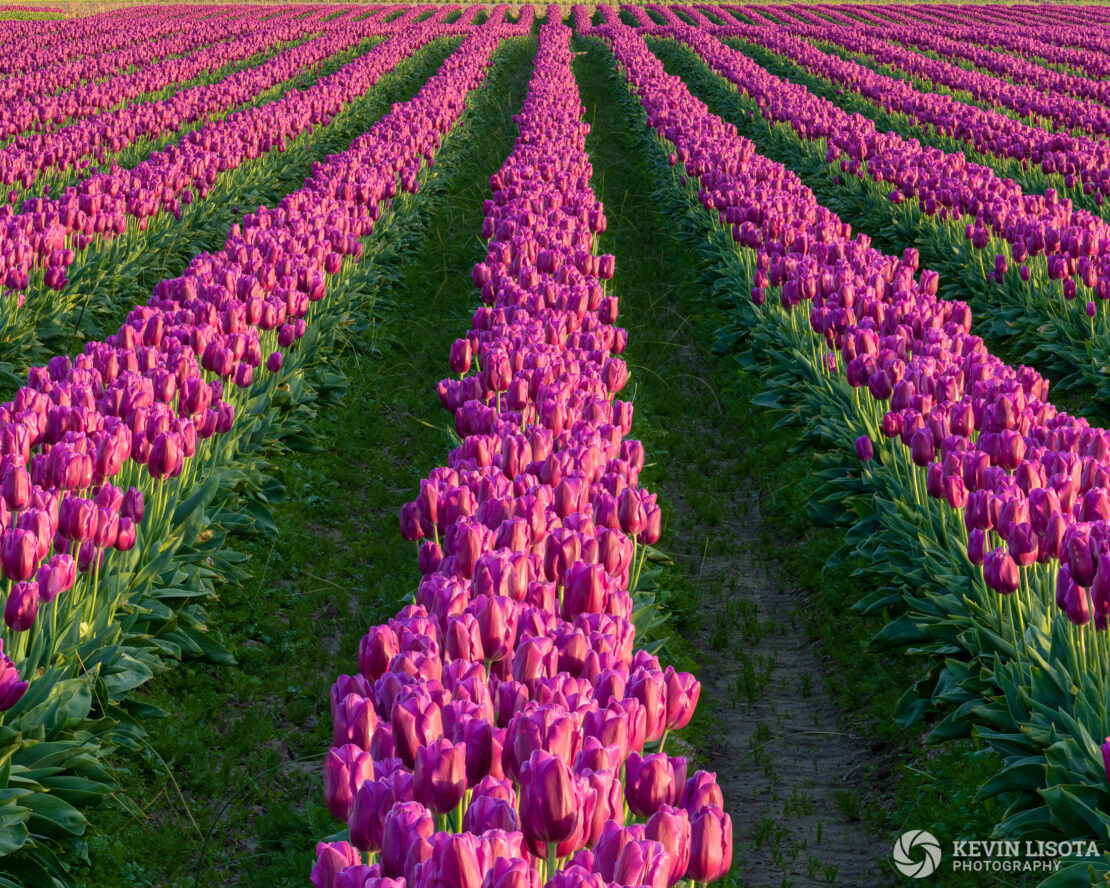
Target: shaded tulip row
[
  {"x": 1057, "y": 271},
  {"x": 116, "y": 45},
  {"x": 94, "y": 140},
  {"x": 494, "y": 733},
  {"x": 1008, "y": 497},
  {"x": 1080, "y": 49},
  {"x": 109, "y": 462},
  {"x": 40, "y": 99},
  {"x": 53, "y": 43},
  {"x": 1065, "y": 113},
  {"x": 55, "y": 232}
]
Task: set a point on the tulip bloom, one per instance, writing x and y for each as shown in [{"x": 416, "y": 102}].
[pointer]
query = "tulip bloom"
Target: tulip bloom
[
  {"x": 345, "y": 769},
  {"x": 550, "y": 799},
  {"x": 652, "y": 781},
  {"x": 11, "y": 688},
  {"x": 439, "y": 778},
  {"x": 406, "y": 823},
  {"x": 710, "y": 845}
]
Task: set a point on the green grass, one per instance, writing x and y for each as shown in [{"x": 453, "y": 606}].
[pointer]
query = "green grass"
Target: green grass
[{"x": 239, "y": 800}]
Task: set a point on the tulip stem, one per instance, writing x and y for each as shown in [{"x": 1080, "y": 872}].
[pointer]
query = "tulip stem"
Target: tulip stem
[
  {"x": 459, "y": 816},
  {"x": 639, "y": 567},
  {"x": 551, "y": 859},
  {"x": 663, "y": 739}
]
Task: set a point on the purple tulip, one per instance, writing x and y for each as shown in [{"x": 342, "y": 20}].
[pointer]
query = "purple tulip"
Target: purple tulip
[
  {"x": 710, "y": 845},
  {"x": 670, "y": 827},
  {"x": 683, "y": 691},
  {"x": 439, "y": 777},
  {"x": 865, "y": 451},
  {"x": 331, "y": 859},
  {"x": 22, "y": 606},
  {"x": 18, "y": 554},
  {"x": 652, "y": 781},
  {"x": 649, "y": 688},
  {"x": 550, "y": 799},
  {"x": 700, "y": 790},
  {"x": 11, "y": 688},
  {"x": 511, "y": 874},
  {"x": 416, "y": 722},
  {"x": 345, "y": 769},
  {"x": 404, "y": 824}
]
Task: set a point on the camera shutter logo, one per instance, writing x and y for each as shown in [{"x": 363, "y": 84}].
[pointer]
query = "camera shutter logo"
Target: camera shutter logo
[{"x": 908, "y": 851}]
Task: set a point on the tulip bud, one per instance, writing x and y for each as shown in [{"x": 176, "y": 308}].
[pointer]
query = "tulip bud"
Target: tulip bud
[
  {"x": 670, "y": 827},
  {"x": 701, "y": 790},
  {"x": 550, "y": 799},
  {"x": 345, "y": 769},
  {"x": 710, "y": 845},
  {"x": 406, "y": 823},
  {"x": 331, "y": 859},
  {"x": 439, "y": 777},
  {"x": 652, "y": 781},
  {"x": 22, "y": 606},
  {"x": 18, "y": 554},
  {"x": 11, "y": 688},
  {"x": 683, "y": 691}
]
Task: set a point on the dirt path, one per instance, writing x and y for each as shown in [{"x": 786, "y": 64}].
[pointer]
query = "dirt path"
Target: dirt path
[{"x": 781, "y": 753}]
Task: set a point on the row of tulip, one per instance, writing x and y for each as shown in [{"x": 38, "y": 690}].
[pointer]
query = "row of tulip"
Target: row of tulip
[
  {"x": 50, "y": 231},
  {"x": 87, "y": 230},
  {"x": 83, "y": 50},
  {"x": 1061, "y": 40},
  {"x": 115, "y": 462},
  {"x": 1045, "y": 43},
  {"x": 1064, "y": 113},
  {"x": 494, "y": 733},
  {"x": 225, "y": 319},
  {"x": 986, "y": 507},
  {"x": 1012, "y": 67},
  {"x": 968, "y": 217},
  {"x": 39, "y": 99},
  {"x": 97, "y": 139},
  {"x": 1034, "y": 156}
]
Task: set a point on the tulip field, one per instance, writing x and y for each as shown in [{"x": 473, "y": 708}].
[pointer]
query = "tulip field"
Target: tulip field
[{"x": 677, "y": 435}]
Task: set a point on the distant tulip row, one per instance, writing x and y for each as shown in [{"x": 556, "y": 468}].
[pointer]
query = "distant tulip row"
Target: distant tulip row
[
  {"x": 39, "y": 99},
  {"x": 48, "y": 232},
  {"x": 100, "y": 118},
  {"x": 1083, "y": 160},
  {"x": 92, "y": 47},
  {"x": 1035, "y": 38},
  {"x": 1051, "y": 240},
  {"x": 494, "y": 734}
]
